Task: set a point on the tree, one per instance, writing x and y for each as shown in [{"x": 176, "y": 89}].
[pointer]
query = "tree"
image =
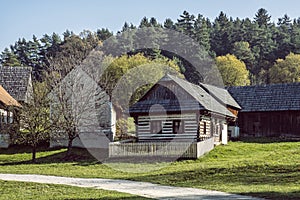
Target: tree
[
  {"x": 70, "y": 53},
  {"x": 90, "y": 39},
  {"x": 77, "y": 104},
  {"x": 263, "y": 48},
  {"x": 232, "y": 70},
  {"x": 243, "y": 52},
  {"x": 35, "y": 121},
  {"x": 295, "y": 36},
  {"x": 34, "y": 50},
  {"x": 104, "y": 34},
  {"x": 283, "y": 37},
  {"x": 154, "y": 22},
  {"x": 262, "y": 18},
  {"x": 221, "y": 34},
  {"x": 202, "y": 32},
  {"x": 8, "y": 58},
  {"x": 185, "y": 23},
  {"x": 122, "y": 66},
  {"x": 144, "y": 23},
  {"x": 73, "y": 90},
  {"x": 62, "y": 58},
  {"x": 169, "y": 24},
  {"x": 28, "y": 53},
  {"x": 287, "y": 70}
]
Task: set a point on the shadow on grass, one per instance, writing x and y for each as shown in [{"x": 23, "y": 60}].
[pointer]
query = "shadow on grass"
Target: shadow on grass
[
  {"x": 78, "y": 156},
  {"x": 17, "y": 149},
  {"x": 275, "y": 195},
  {"x": 250, "y": 177},
  {"x": 267, "y": 140}
]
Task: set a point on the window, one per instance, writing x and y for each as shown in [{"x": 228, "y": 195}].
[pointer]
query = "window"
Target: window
[
  {"x": 178, "y": 126},
  {"x": 156, "y": 127},
  {"x": 10, "y": 118}
]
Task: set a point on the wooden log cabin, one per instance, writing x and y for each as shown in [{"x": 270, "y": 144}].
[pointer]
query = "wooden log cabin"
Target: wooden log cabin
[
  {"x": 268, "y": 110},
  {"x": 175, "y": 109}
]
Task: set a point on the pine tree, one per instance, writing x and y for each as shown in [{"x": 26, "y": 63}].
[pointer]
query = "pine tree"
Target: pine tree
[
  {"x": 202, "y": 32},
  {"x": 144, "y": 23},
  {"x": 295, "y": 36},
  {"x": 8, "y": 58},
  {"x": 185, "y": 23},
  {"x": 103, "y": 34},
  {"x": 243, "y": 52},
  {"x": 221, "y": 34},
  {"x": 262, "y": 18},
  {"x": 283, "y": 37},
  {"x": 153, "y": 22},
  {"x": 169, "y": 24}
]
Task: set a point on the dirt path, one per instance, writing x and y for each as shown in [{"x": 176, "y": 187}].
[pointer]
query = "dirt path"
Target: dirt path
[{"x": 132, "y": 187}]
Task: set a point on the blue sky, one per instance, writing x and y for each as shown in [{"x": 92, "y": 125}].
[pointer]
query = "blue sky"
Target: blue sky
[{"x": 23, "y": 18}]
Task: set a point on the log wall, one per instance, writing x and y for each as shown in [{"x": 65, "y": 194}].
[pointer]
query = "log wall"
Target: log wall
[{"x": 281, "y": 123}]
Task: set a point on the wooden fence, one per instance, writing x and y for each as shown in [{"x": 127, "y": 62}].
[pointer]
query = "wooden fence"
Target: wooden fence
[{"x": 163, "y": 149}]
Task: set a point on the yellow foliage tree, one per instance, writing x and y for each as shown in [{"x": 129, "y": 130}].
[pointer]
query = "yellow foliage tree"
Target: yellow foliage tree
[
  {"x": 232, "y": 70},
  {"x": 119, "y": 67},
  {"x": 286, "y": 70}
]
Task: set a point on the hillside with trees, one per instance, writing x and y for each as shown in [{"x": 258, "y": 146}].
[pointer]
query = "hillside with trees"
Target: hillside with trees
[{"x": 264, "y": 50}]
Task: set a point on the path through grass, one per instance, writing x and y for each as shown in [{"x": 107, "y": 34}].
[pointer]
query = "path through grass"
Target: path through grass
[{"x": 258, "y": 168}]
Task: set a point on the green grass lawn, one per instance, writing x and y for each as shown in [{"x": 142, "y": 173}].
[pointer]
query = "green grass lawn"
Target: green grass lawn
[
  {"x": 257, "y": 168},
  {"x": 19, "y": 190}
]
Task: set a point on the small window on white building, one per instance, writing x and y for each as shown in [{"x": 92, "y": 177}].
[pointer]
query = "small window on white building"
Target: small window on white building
[
  {"x": 156, "y": 127},
  {"x": 11, "y": 117},
  {"x": 178, "y": 126}
]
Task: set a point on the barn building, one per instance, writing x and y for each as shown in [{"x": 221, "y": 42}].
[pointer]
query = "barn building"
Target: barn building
[{"x": 268, "y": 110}]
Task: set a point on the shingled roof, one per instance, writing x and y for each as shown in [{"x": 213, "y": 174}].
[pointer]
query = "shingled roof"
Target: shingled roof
[
  {"x": 202, "y": 100},
  {"x": 276, "y": 97},
  {"x": 6, "y": 99},
  {"x": 17, "y": 82},
  {"x": 221, "y": 94}
]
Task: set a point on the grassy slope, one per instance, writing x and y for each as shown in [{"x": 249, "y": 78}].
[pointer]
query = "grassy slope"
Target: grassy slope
[
  {"x": 254, "y": 168},
  {"x": 19, "y": 190}
]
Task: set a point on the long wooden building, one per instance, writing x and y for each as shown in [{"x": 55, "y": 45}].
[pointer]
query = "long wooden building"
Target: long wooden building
[{"x": 268, "y": 110}]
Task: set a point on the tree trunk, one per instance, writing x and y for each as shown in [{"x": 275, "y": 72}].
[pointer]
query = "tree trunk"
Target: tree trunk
[
  {"x": 33, "y": 159},
  {"x": 70, "y": 145}
]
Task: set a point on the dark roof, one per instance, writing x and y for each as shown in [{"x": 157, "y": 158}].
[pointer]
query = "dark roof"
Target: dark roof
[
  {"x": 277, "y": 97},
  {"x": 16, "y": 81},
  {"x": 221, "y": 94},
  {"x": 168, "y": 105},
  {"x": 201, "y": 100}
]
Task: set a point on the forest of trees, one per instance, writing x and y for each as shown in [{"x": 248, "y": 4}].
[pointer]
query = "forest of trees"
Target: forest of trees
[{"x": 269, "y": 50}]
